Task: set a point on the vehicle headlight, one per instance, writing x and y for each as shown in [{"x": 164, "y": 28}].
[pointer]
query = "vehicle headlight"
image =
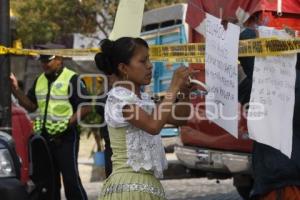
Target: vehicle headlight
[{"x": 6, "y": 165}]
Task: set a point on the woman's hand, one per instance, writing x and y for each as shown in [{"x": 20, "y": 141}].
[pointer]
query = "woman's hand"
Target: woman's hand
[
  {"x": 14, "y": 82},
  {"x": 187, "y": 89},
  {"x": 180, "y": 79}
]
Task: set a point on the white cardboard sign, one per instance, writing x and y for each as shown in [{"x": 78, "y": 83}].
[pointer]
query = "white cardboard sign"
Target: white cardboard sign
[
  {"x": 221, "y": 73},
  {"x": 270, "y": 115}
]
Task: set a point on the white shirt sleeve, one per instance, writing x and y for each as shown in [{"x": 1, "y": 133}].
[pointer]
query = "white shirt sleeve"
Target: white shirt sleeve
[{"x": 117, "y": 98}]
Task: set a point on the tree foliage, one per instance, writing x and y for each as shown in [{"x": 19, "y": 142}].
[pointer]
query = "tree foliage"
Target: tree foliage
[
  {"x": 151, "y": 4},
  {"x": 41, "y": 21}
]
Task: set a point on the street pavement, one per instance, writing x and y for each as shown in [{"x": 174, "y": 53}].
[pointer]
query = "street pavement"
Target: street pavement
[
  {"x": 184, "y": 189},
  {"x": 200, "y": 189}
]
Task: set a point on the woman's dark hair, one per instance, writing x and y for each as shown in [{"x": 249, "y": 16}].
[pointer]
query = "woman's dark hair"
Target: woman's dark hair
[{"x": 115, "y": 52}]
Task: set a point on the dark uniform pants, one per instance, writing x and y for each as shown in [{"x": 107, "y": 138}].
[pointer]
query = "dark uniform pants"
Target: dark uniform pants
[
  {"x": 64, "y": 150},
  {"x": 107, "y": 155}
]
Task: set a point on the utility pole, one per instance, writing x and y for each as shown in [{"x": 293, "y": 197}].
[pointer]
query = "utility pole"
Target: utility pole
[{"x": 5, "y": 87}]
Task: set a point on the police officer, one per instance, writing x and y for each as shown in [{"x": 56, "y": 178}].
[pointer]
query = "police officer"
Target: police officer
[{"x": 55, "y": 95}]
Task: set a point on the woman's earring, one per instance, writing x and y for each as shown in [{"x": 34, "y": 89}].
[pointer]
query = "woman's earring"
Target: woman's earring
[{"x": 126, "y": 77}]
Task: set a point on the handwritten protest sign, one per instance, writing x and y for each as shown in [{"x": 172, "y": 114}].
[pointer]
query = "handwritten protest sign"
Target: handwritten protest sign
[
  {"x": 129, "y": 19},
  {"x": 270, "y": 115},
  {"x": 221, "y": 71}
]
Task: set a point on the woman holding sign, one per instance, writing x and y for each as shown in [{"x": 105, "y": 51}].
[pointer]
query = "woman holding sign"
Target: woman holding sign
[{"x": 134, "y": 121}]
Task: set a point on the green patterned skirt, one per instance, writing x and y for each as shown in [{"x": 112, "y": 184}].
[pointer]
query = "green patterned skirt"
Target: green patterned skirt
[
  {"x": 132, "y": 186},
  {"x": 124, "y": 183}
]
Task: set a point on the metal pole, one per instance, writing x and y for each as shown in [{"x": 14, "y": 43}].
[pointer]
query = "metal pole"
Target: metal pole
[{"x": 5, "y": 88}]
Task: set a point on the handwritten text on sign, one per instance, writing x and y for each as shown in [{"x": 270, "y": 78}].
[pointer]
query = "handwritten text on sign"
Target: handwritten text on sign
[
  {"x": 270, "y": 115},
  {"x": 221, "y": 56}
]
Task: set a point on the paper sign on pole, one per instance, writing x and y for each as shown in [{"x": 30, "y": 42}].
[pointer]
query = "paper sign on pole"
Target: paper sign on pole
[
  {"x": 129, "y": 19},
  {"x": 221, "y": 73},
  {"x": 270, "y": 115}
]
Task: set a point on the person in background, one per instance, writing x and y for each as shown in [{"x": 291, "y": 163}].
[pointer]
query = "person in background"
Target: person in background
[
  {"x": 134, "y": 121},
  {"x": 55, "y": 95},
  {"x": 276, "y": 177},
  {"x": 111, "y": 79}
]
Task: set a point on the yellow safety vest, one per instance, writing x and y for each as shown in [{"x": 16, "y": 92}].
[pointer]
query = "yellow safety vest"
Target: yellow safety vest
[{"x": 59, "y": 109}]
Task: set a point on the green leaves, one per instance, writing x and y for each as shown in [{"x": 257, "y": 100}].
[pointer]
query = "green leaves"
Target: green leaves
[
  {"x": 151, "y": 4},
  {"x": 41, "y": 21}
]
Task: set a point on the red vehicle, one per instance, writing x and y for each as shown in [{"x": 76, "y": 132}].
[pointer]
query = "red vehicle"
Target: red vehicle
[
  {"x": 206, "y": 147},
  {"x": 21, "y": 132},
  {"x": 25, "y": 163},
  {"x": 14, "y": 167}
]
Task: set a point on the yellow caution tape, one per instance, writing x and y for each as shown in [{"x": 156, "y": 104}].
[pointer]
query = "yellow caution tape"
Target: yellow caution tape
[
  {"x": 183, "y": 59},
  {"x": 179, "y": 50},
  {"x": 268, "y": 47},
  {"x": 190, "y": 53},
  {"x": 251, "y": 47},
  {"x": 57, "y": 52}
]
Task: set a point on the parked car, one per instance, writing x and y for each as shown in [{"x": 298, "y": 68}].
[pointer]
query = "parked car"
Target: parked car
[
  {"x": 11, "y": 186},
  {"x": 25, "y": 163},
  {"x": 14, "y": 166}
]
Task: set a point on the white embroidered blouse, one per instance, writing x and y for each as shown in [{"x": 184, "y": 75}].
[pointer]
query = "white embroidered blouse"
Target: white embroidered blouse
[{"x": 143, "y": 150}]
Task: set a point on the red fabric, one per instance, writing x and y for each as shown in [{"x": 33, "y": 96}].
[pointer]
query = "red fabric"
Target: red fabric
[
  {"x": 197, "y": 8},
  {"x": 286, "y": 193}
]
